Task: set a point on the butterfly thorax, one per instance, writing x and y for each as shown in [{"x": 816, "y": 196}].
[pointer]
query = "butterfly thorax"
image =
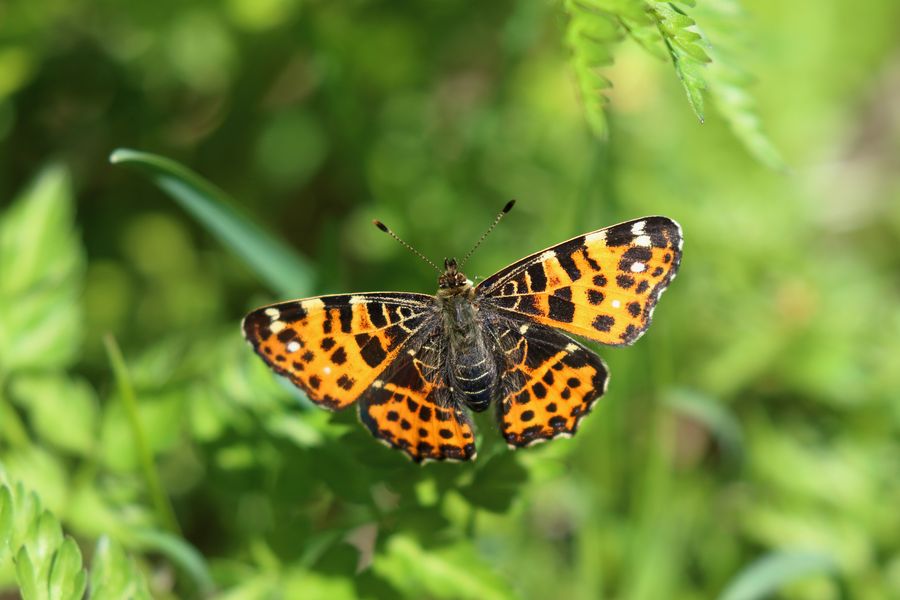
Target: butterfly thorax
[{"x": 472, "y": 373}]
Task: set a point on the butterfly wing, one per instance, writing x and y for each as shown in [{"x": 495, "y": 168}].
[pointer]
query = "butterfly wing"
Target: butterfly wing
[
  {"x": 602, "y": 285},
  {"x": 550, "y": 383},
  {"x": 410, "y": 406},
  {"x": 334, "y": 347}
]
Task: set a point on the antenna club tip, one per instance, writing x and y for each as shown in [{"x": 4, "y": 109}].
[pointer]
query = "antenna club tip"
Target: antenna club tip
[
  {"x": 380, "y": 225},
  {"x": 508, "y": 206}
]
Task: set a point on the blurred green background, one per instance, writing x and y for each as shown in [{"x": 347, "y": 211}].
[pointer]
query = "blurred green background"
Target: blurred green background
[{"x": 749, "y": 443}]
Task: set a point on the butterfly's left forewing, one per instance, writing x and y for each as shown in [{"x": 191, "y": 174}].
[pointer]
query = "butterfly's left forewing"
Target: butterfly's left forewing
[
  {"x": 334, "y": 347},
  {"x": 602, "y": 285}
]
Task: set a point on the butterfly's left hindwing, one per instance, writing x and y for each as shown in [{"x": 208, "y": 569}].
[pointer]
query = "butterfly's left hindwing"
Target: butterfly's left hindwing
[
  {"x": 410, "y": 407},
  {"x": 334, "y": 347},
  {"x": 602, "y": 285}
]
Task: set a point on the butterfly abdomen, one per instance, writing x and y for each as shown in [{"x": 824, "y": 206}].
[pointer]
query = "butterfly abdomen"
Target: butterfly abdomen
[{"x": 472, "y": 371}]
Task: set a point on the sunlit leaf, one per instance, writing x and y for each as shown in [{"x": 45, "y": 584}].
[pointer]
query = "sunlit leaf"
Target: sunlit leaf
[{"x": 41, "y": 262}]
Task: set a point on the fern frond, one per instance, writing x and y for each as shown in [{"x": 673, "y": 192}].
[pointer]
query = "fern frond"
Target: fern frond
[
  {"x": 687, "y": 49},
  {"x": 591, "y": 34},
  {"x": 729, "y": 83}
]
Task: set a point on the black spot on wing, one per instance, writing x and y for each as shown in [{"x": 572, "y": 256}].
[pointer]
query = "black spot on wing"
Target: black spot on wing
[
  {"x": 537, "y": 277},
  {"x": 372, "y": 352},
  {"x": 376, "y": 314},
  {"x": 568, "y": 265},
  {"x": 286, "y": 335},
  {"x": 561, "y": 310},
  {"x": 633, "y": 255},
  {"x": 528, "y": 305},
  {"x": 339, "y": 356},
  {"x": 625, "y": 281},
  {"x": 603, "y": 322},
  {"x": 346, "y": 317},
  {"x": 564, "y": 292},
  {"x": 619, "y": 235}
]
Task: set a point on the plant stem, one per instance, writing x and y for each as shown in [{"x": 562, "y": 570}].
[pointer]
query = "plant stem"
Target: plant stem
[{"x": 129, "y": 400}]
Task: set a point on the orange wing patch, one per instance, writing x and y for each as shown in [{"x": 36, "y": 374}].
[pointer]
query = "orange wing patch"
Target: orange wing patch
[
  {"x": 410, "y": 408},
  {"x": 603, "y": 285},
  {"x": 550, "y": 385},
  {"x": 334, "y": 347}
]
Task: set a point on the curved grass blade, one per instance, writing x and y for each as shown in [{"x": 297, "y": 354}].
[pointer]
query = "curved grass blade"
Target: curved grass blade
[
  {"x": 765, "y": 576},
  {"x": 180, "y": 552},
  {"x": 281, "y": 269}
]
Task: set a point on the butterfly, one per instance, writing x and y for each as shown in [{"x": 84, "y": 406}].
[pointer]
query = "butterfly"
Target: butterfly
[{"x": 415, "y": 364}]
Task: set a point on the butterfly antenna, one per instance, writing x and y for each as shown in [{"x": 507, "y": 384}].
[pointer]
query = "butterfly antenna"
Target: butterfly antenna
[
  {"x": 502, "y": 214},
  {"x": 385, "y": 229}
]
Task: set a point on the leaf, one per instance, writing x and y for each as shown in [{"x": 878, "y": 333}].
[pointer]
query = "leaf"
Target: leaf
[
  {"x": 114, "y": 575},
  {"x": 180, "y": 552},
  {"x": 67, "y": 579},
  {"x": 280, "y": 267},
  {"x": 686, "y": 49},
  {"x": 591, "y": 34},
  {"x": 17, "y": 511},
  {"x": 772, "y": 572},
  {"x": 47, "y": 564},
  {"x": 496, "y": 483},
  {"x": 453, "y": 572},
  {"x": 715, "y": 417},
  {"x": 42, "y": 263},
  {"x": 63, "y": 410},
  {"x": 729, "y": 82}
]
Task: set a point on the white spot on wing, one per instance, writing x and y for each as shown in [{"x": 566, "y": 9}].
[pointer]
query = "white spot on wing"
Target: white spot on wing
[
  {"x": 547, "y": 255},
  {"x": 642, "y": 240},
  {"x": 273, "y": 312},
  {"x": 597, "y": 236},
  {"x": 377, "y": 383},
  {"x": 411, "y": 352},
  {"x": 616, "y": 303},
  {"x": 312, "y": 304},
  {"x": 523, "y": 329},
  {"x": 327, "y": 370},
  {"x": 638, "y": 267},
  {"x": 638, "y": 228},
  {"x": 293, "y": 346},
  {"x": 277, "y": 326},
  {"x": 570, "y": 348},
  {"x": 357, "y": 300}
]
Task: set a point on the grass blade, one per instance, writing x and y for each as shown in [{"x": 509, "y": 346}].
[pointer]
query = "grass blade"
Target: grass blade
[
  {"x": 129, "y": 400},
  {"x": 767, "y": 575},
  {"x": 281, "y": 268}
]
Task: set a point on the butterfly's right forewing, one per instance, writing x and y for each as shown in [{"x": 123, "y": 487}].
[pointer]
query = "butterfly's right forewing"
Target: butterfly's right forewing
[{"x": 602, "y": 285}]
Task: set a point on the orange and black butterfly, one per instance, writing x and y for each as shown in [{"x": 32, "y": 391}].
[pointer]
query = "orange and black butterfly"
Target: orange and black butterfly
[{"x": 415, "y": 364}]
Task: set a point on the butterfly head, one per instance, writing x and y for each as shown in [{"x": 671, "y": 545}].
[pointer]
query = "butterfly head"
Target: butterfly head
[{"x": 452, "y": 281}]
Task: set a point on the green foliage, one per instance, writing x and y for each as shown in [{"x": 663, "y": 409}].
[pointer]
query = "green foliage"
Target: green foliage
[
  {"x": 686, "y": 49},
  {"x": 47, "y": 564},
  {"x": 283, "y": 270},
  {"x": 42, "y": 266},
  {"x": 596, "y": 26},
  {"x": 770, "y": 573}
]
